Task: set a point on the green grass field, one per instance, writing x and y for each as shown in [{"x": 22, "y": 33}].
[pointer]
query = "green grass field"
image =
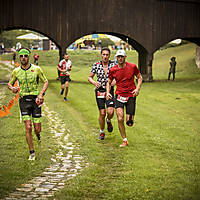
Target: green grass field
[{"x": 162, "y": 160}]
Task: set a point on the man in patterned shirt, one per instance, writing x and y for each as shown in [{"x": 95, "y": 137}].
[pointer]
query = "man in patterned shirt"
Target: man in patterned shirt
[
  {"x": 31, "y": 98},
  {"x": 101, "y": 69},
  {"x": 65, "y": 66}
]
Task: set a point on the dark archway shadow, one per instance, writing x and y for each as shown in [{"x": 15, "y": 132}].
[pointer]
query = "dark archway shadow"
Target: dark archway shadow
[{"x": 193, "y": 40}]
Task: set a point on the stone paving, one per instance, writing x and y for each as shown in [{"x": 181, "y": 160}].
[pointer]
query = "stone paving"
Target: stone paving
[{"x": 65, "y": 166}]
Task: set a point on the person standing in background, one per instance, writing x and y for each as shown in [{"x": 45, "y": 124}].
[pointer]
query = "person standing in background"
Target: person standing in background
[{"x": 172, "y": 68}]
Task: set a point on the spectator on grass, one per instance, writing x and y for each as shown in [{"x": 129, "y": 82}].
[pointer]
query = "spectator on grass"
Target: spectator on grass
[{"x": 172, "y": 68}]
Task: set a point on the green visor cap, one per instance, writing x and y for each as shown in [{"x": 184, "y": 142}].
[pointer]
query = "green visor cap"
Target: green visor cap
[{"x": 24, "y": 52}]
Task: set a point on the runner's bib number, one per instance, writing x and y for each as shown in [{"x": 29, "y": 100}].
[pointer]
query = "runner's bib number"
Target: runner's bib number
[
  {"x": 122, "y": 99},
  {"x": 101, "y": 95}
]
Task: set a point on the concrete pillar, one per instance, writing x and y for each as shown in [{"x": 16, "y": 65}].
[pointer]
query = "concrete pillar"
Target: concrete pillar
[{"x": 145, "y": 60}]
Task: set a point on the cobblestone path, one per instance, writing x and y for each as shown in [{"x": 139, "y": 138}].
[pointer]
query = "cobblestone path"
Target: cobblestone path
[{"x": 64, "y": 166}]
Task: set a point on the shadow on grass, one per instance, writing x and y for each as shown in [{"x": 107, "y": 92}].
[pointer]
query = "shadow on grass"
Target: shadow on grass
[
  {"x": 4, "y": 82},
  {"x": 176, "y": 80},
  {"x": 72, "y": 81}
]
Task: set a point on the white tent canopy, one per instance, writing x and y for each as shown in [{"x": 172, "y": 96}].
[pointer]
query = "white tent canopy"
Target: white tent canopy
[
  {"x": 177, "y": 41},
  {"x": 113, "y": 38},
  {"x": 31, "y": 36}
]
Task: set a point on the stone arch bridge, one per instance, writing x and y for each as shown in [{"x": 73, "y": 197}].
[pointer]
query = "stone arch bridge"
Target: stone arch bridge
[{"x": 148, "y": 24}]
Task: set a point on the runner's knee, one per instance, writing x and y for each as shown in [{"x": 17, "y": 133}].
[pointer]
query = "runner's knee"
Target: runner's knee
[
  {"x": 102, "y": 113},
  {"x": 37, "y": 129},
  {"x": 120, "y": 119},
  {"x": 28, "y": 127}
]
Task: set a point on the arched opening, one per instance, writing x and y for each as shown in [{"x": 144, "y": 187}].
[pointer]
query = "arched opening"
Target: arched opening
[
  {"x": 17, "y": 37},
  {"x": 143, "y": 60},
  {"x": 185, "y": 52},
  {"x": 42, "y": 40},
  {"x": 89, "y": 46}
]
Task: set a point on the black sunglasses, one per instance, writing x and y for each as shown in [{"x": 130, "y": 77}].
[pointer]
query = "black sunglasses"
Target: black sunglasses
[{"x": 21, "y": 56}]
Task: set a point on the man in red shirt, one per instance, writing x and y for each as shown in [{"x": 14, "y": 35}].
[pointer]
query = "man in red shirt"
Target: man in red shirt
[
  {"x": 36, "y": 58},
  {"x": 126, "y": 91},
  {"x": 65, "y": 66}
]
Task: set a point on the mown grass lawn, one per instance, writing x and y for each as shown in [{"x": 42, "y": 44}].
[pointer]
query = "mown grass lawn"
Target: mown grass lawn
[{"x": 162, "y": 159}]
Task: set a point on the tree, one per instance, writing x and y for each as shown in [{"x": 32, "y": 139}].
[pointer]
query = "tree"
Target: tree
[{"x": 9, "y": 38}]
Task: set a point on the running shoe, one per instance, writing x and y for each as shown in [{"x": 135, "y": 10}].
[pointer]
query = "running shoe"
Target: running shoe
[
  {"x": 65, "y": 99},
  {"x": 125, "y": 143},
  {"x": 61, "y": 92},
  {"x": 109, "y": 126},
  {"x": 31, "y": 157},
  {"x": 102, "y": 136}
]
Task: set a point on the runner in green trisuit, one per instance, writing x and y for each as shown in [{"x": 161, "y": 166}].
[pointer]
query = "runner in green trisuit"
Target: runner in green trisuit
[{"x": 31, "y": 98}]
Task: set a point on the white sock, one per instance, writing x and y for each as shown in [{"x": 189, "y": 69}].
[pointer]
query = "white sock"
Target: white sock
[
  {"x": 101, "y": 131},
  {"x": 125, "y": 140}
]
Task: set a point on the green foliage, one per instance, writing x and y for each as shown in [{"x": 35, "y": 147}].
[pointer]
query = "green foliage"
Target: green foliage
[
  {"x": 105, "y": 42},
  {"x": 9, "y": 38}
]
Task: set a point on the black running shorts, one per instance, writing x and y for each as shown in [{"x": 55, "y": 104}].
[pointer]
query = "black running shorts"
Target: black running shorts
[
  {"x": 29, "y": 107},
  {"x": 64, "y": 79},
  {"x": 101, "y": 102},
  {"x": 130, "y": 105}
]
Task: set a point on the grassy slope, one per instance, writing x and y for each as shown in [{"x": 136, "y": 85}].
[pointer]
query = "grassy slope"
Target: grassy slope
[
  {"x": 162, "y": 160},
  {"x": 163, "y": 155}
]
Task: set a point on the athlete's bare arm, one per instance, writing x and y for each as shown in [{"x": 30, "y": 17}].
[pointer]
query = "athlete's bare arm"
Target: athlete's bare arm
[
  {"x": 113, "y": 82},
  {"x": 92, "y": 81},
  {"x": 40, "y": 97},
  {"x": 137, "y": 90},
  {"x": 70, "y": 68},
  {"x": 61, "y": 70},
  {"x": 13, "y": 89},
  {"x": 108, "y": 87}
]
